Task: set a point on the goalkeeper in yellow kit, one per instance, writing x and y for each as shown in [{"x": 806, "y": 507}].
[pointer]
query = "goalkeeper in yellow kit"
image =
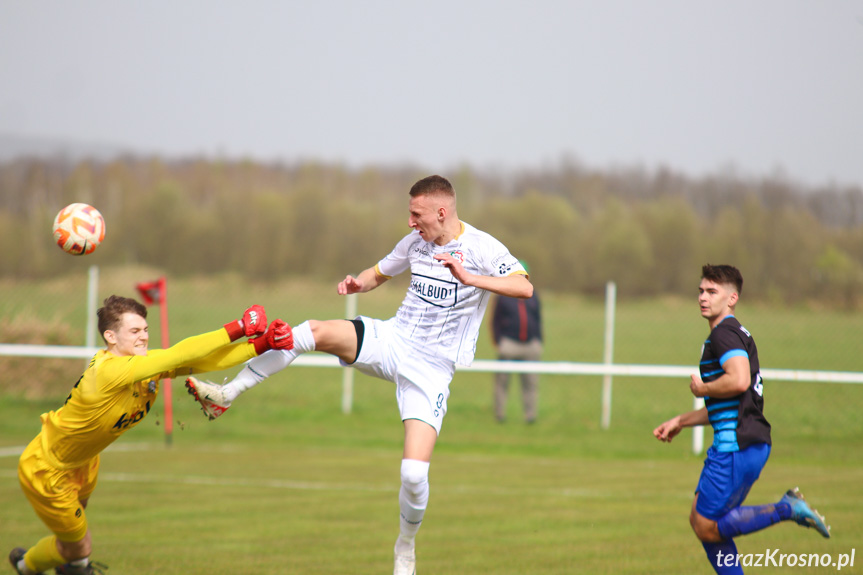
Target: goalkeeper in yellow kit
[{"x": 58, "y": 470}]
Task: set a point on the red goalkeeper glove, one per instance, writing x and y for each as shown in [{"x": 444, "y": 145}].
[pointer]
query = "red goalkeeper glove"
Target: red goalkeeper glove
[
  {"x": 253, "y": 323},
  {"x": 279, "y": 336}
]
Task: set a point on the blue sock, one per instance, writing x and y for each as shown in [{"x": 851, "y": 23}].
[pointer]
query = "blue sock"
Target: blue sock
[
  {"x": 743, "y": 520},
  {"x": 723, "y": 557}
]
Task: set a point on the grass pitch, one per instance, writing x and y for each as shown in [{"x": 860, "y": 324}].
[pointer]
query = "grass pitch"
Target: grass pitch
[{"x": 286, "y": 483}]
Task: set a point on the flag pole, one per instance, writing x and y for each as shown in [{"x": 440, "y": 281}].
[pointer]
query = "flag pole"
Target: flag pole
[{"x": 156, "y": 292}]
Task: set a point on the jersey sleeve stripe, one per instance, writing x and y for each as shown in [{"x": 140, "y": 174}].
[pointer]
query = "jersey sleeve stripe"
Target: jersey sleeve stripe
[
  {"x": 733, "y": 353},
  {"x": 380, "y": 273}
]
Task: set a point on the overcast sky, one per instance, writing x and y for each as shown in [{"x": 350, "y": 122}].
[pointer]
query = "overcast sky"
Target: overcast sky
[{"x": 697, "y": 86}]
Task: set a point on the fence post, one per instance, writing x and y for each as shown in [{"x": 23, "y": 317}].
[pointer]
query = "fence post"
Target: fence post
[
  {"x": 698, "y": 430},
  {"x": 608, "y": 355},
  {"x": 92, "y": 291},
  {"x": 348, "y": 372}
]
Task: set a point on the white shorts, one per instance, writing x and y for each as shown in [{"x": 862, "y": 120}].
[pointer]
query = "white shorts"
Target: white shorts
[{"x": 422, "y": 381}]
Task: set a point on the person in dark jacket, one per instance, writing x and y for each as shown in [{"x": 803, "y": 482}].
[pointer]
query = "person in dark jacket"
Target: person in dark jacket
[{"x": 517, "y": 332}]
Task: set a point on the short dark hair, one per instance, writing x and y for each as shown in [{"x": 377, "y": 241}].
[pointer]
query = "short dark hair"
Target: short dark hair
[
  {"x": 723, "y": 274},
  {"x": 113, "y": 309},
  {"x": 432, "y": 185}
]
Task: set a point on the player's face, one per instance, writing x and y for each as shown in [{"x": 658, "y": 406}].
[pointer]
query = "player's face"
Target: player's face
[
  {"x": 715, "y": 300},
  {"x": 130, "y": 338},
  {"x": 426, "y": 217}
]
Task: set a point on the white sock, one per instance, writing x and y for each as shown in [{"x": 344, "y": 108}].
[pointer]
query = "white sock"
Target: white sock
[
  {"x": 260, "y": 368},
  {"x": 413, "y": 499}
]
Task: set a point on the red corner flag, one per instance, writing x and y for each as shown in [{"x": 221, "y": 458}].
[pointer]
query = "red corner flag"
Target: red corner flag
[{"x": 151, "y": 292}]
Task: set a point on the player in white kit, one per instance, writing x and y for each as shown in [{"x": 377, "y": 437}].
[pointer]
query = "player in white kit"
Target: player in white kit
[{"x": 454, "y": 267}]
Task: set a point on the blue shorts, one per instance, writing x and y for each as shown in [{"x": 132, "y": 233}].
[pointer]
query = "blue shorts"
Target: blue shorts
[{"x": 727, "y": 478}]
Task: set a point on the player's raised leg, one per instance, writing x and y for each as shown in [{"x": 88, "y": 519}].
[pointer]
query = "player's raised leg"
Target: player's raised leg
[
  {"x": 792, "y": 507},
  {"x": 336, "y": 337}
]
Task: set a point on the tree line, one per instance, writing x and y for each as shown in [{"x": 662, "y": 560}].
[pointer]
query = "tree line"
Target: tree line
[{"x": 578, "y": 228}]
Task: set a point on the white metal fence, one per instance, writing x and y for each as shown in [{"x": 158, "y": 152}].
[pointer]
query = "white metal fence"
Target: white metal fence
[{"x": 607, "y": 369}]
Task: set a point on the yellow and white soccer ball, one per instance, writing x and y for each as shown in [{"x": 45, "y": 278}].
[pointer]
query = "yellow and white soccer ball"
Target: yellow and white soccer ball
[{"x": 79, "y": 229}]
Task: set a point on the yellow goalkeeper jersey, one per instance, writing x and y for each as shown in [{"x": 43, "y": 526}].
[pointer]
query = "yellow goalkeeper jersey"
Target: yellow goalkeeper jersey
[{"x": 116, "y": 392}]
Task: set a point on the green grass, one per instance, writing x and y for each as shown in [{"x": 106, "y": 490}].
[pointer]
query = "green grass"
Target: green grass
[
  {"x": 286, "y": 483},
  {"x": 276, "y": 487}
]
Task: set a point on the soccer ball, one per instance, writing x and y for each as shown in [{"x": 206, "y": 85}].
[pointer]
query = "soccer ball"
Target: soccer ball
[{"x": 79, "y": 229}]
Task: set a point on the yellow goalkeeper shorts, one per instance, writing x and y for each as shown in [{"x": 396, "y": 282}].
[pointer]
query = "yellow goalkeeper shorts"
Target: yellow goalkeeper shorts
[{"x": 56, "y": 495}]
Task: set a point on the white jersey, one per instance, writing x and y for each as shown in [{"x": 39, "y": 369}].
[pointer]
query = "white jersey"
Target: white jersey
[{"x": 440, "y": 316}]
